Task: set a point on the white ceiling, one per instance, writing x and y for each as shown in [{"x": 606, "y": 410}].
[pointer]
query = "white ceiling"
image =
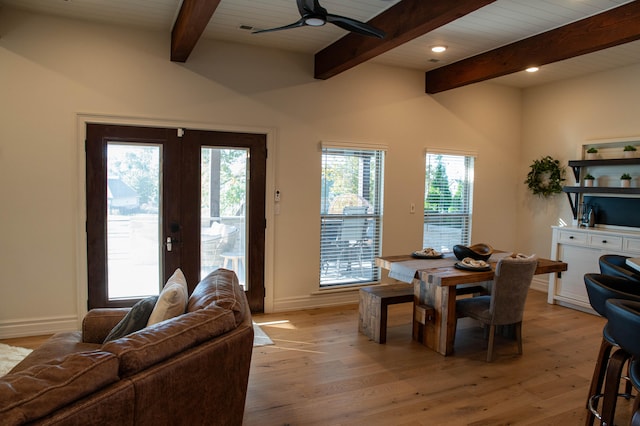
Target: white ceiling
[{"x": 492, "y": 26}]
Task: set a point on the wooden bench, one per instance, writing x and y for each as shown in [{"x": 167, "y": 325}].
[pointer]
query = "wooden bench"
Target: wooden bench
[
  {"x": 374, "y": 300},
  {"x": 372, "y": 310}
]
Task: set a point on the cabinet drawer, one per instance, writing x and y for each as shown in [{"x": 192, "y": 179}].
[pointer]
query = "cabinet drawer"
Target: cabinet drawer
[
  {"x": 569, "y": 237},
  {"x": 610, "y": 242},
  {"x": 631, "y": 244}
]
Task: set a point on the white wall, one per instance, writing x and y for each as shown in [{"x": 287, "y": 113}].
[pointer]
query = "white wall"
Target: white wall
[
  {"x": 559, "y": 118},
  {"x": 54, "y": 69}
]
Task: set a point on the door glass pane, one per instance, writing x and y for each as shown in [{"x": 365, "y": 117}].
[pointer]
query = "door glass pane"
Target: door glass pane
[
  {"x": 134, "y": 246},
  {"x": 224, "y": 197}
]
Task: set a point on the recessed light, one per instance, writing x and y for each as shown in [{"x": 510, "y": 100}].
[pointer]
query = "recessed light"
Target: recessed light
[
  {"x": 438, "y": 49},
  {"x": 532, "y": 69}
]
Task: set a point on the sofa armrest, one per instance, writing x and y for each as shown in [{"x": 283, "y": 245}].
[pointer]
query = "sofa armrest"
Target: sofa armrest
[{"x": 99, "y": 322}]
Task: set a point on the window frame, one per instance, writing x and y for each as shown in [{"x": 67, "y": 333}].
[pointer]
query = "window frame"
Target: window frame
[
  {"x": 332, "y": 225},
  {"x": 464, "y": 218}
]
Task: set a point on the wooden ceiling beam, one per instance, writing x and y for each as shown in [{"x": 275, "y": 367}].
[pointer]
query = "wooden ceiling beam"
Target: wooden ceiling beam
[
  {"x": 611, "y": 28},
  {"x": 193, "y": 18},
  {"x": 402, "y": 22}
]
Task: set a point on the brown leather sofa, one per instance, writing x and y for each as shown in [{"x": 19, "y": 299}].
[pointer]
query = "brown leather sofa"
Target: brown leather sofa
[{"x": 189, "y": 370}]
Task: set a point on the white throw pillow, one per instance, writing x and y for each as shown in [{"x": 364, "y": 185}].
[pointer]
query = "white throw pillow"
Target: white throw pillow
[{"x": 172, "y": 300}]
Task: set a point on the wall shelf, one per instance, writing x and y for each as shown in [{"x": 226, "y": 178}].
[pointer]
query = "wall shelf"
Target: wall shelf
[
  {"x": 576, "y": 165},
  {"x": 599, "y": 190},
  {"x": 573, "y": 192}
]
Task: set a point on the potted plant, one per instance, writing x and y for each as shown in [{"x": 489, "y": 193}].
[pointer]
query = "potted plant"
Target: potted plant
[
  {"x": 629, "y": 151},
  {"x": 625, "y": 180},
  {"x": 592, "y": 153},
  {"x": 588, "y": 180}
]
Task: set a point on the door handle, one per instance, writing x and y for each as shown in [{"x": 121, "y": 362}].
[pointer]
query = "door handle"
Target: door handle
[{"x": 169, "y": 243}]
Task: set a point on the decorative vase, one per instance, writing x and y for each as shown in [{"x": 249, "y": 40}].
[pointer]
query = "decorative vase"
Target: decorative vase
[
  {"x": 625, "y": 183},
  {"x": 591, "y": 155},
  {"x": 588, "y": 182}
]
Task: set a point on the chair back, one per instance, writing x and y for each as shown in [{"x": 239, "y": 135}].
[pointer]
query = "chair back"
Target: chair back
[
  {"x": 602, "y": 287},
  {"x": 510, "y": 287},
  {"x": 353, "y": 228},
  {"x": 616, "y": 265},
  {"x": 624, "y": 324}
]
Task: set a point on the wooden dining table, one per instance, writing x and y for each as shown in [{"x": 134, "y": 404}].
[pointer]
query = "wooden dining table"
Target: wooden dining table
[{"x": 435, "y": 290}]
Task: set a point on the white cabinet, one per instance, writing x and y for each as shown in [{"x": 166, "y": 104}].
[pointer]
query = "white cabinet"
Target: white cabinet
[{"x": 581, "y": 248}]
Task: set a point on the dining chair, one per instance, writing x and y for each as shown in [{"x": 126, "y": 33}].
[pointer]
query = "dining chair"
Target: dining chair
[
  {"x": 505, "y": 304},
  {"x": 615, "y": 264},
  {"x": 352, "y": 235},
  {"x": 600, "y": 288}
]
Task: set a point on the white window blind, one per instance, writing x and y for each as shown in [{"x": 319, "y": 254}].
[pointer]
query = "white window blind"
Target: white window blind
[
  {"x": 448, "y": 200},
  {"x": 350, "y": 215}
]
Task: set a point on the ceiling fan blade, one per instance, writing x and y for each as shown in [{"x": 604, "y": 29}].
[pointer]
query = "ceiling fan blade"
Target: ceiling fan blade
[
  {"x": 306, "y": 7},
  {"x": 313, "y": 14},
  {"x": 355, "y": 26},
  {"x": 299, "y": 23}
]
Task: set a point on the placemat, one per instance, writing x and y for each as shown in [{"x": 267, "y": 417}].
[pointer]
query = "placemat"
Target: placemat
[{"x": 406, "y": 271}]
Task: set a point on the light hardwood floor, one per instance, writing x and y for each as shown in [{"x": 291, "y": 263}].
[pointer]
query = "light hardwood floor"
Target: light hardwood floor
[{"x": 321, "y": 371}]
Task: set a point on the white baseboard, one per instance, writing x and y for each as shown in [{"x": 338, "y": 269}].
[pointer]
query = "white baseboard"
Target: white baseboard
[
  {"x": 37, "y": 326},
  {"x": 316, "y": 301},
  {"x": 540, "y": 283}
]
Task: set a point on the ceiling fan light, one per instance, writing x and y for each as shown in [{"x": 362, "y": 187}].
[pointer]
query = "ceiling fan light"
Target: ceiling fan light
[
  {"x": 314, "y": 21},
  {"x": 532, "y": 69},
  {"x": 438, "y": 49}
]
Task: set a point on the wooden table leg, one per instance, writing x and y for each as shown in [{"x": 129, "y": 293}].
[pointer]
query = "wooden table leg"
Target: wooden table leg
[
  {"x": 449, "y": 320},
  {"x": 439, "y": 334}
]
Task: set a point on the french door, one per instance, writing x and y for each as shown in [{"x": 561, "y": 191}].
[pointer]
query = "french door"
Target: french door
[{"x": 165, "y": 198}]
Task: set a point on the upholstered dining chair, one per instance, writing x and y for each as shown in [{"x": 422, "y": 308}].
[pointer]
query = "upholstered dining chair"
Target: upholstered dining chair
[
  {"x": 615, "y": 264},
  {"x": 505, "y": 305}
]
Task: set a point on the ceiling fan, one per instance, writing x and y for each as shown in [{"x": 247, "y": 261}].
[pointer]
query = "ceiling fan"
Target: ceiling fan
[{"x": 314, "y": 15}]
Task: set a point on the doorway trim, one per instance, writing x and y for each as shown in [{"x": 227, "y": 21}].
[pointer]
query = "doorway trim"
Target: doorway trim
[{"x": 82, "y": 119}]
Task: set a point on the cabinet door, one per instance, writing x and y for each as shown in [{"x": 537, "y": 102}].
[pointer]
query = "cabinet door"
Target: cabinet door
[
  {"x": 580, "y": 261},
  {"x": 631, "y": 246}
]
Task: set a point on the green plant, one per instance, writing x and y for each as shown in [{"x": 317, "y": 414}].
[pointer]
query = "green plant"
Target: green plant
[
  {"x": 625, "y": 176},
  {"x": 629, "y": 148},
  {"x": 588, "y": 177},
  {"x": 545, "y": 177},
  {"x": 592, "y": 150}
]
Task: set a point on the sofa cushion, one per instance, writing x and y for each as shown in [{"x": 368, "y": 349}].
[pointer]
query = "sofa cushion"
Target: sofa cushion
[
  {"x": 220, "y": 288},
  {"x": 153, "y": 344},
  {"x": 41, "y": 389},
  {"x": 135, "y": 320},
  {"x": 172, "y": 300},
  {"x": 57, "y": 346}
]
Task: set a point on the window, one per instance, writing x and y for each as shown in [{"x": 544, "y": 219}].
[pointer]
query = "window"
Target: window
[
  {"x": 350, "y": 215},
  {"x": 448, "y": 200}
]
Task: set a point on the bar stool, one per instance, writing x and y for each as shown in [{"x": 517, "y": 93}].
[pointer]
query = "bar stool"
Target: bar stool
[
  {"x": 600, "y": 288},
  {"x": 616, "y": 265},
  {"x": 624, "y": 326}
]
